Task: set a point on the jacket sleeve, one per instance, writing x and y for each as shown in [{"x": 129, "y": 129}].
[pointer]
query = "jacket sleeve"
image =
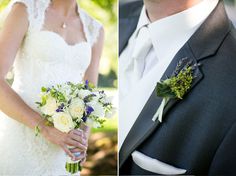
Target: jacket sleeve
[{"x": 224, "y": 162}]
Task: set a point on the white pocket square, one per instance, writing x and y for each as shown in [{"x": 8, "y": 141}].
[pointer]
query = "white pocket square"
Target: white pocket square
[{"x": 154, "y": 165}]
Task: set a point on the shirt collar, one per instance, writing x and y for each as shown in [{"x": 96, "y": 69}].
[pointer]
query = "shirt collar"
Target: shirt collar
[
  {"x": 171, "y": 33},
  {"x": 143, "y": 19}
]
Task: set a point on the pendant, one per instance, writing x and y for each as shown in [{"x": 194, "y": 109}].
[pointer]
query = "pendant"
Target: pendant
[{"x": 64, "y": 25}]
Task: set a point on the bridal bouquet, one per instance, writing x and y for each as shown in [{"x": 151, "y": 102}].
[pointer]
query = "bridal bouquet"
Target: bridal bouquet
[{"x": 66, "y": 106}]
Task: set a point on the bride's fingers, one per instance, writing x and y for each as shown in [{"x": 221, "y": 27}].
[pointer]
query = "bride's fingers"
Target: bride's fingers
[
  {"x": 85, "y": 128},
  {"x": 74, "y": 143},
  {"x": 81, "y": 133},
  {"x": 80, "y": 157},
  {"x": 68, "y": 152},
  {"x": 78, "y": 138},
  {"x": 75, "y": 150},
  {"x": 78, "y": 132},
  {"x": 83, "y": 160}
]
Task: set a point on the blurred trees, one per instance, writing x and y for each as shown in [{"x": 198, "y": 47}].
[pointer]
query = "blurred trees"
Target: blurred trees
[
  {"x": 3, "y": 3},
  {"x": 106, "y": 12},
  {"x": 231, "y": 1}
]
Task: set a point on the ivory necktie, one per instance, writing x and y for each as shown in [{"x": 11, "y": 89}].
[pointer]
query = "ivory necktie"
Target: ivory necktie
[{"x": 142, "y": 47}]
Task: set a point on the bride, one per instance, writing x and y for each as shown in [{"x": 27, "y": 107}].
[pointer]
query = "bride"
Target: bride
[{"x": 48, "y": 43}]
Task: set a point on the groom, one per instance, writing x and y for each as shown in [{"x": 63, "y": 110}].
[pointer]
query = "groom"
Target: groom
[{"x": 197, "y": 134}]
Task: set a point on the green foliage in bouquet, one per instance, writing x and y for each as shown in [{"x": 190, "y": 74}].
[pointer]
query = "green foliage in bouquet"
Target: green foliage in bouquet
[{"x": 66, "y": 106}]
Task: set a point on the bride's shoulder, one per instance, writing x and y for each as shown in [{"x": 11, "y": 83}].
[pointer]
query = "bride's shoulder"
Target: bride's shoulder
[
  {"x": 33, "y": 7},
  {"x": 91, "y": 25},
  {"x": 27, "y": 3}
]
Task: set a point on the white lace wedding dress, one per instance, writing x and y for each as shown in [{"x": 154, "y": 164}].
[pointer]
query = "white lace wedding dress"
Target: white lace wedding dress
[{"x": 44, "y": 59}]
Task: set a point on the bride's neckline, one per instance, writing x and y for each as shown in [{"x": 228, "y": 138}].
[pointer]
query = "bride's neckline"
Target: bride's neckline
[
  {"x": 62, "y": 39},
  {"x": 57, "y": 34}
]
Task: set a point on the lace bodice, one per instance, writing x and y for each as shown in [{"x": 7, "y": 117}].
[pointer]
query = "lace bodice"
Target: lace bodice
[{"x": 44, "y": 59}]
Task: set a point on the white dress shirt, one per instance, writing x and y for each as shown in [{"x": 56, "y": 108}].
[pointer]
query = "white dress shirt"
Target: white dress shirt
[{"x": 168, "y": 36}]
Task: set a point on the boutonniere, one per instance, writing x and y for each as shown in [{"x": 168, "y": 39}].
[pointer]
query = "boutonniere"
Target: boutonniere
[{"x": 176, "y": 86}]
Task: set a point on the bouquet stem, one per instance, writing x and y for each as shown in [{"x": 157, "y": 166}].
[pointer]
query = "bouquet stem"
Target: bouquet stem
[{"x": 73, "y": 168}]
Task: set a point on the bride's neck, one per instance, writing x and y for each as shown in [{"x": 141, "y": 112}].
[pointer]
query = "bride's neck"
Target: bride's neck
[{"x": 66, "y": 7}]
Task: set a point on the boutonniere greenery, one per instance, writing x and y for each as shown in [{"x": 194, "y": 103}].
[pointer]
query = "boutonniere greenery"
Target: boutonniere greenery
[{"x": 174, "y": 87}]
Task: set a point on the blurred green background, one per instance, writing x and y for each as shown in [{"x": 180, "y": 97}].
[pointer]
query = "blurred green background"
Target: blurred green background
[{"x": 102, "y": 152}]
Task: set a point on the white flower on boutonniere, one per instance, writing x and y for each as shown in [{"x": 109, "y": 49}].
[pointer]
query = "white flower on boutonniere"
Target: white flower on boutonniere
[
  {"x": 77, "y": 108},
  {"x": 63, "y": 122},
  {"x": 174, "y": 87}
]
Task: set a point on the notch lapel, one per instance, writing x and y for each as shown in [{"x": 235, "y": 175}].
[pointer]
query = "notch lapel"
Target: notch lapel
[
  {"x": 211, "y": 33},
  {"x": 144, "y": 125},
  {"x": 126, "y": 28},
  {"x": 128, "y": 20}
]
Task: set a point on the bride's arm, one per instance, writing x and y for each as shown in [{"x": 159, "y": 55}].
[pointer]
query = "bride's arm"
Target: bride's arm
[
  {"x": 92, "y": 71},
  {"x": 11, "y": 37}
]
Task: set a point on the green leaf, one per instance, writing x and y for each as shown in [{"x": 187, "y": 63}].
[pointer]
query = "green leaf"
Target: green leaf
[
  {"x": 39, "y": 104},
  {"x": 164, "y": 90},
  {"x": 37, "y": 130},
  {"x": 44, "y": 100},
  {"x": 44, "y": 89},
  {"x": 91, "y": 85}
]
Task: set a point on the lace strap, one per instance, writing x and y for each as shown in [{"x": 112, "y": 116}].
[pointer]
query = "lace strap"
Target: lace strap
[
  {"x": 41, "y": 6},
  {"x": 35, "y": 10},
  {"x": 91, "y": 27}
]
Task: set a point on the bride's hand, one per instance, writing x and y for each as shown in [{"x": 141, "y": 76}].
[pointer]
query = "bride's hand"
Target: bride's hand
[
  {"x": 86, "y": 131},
  {"x": 75, "y": 138}
]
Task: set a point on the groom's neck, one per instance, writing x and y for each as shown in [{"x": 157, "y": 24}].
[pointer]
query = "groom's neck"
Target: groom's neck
[{"x": 158, "y": 9}]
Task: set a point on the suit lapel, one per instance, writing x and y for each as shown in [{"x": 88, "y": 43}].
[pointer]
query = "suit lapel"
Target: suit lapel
[
  {"x": 144, "y": 126},
  {"x": 128, "y": 20},
  {"x": 129, "y": 26},
  {"x": 193, "y": 50}
]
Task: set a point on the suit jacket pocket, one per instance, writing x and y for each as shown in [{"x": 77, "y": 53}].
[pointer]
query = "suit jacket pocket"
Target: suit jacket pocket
[{"x": 154, "y": 165}]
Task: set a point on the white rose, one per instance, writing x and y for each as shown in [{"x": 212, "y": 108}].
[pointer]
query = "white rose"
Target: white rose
[
  {"x": 98, "y": 109},
  {"x": 84, "y": 93},
  {"x": 63, "y": 122},
  {"x": 77, "y": 108},
  {"x": 50, "y": 107}
]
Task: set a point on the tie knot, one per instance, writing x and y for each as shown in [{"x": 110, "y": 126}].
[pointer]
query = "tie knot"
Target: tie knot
[
  {"x": 142, "y": 43},
  {"x": 143, "y": 33},
  {"x": 142, "y": 46}
]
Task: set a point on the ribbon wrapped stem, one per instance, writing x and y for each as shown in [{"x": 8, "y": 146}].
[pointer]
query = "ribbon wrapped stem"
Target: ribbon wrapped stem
[{"x": 159, "y": 113}]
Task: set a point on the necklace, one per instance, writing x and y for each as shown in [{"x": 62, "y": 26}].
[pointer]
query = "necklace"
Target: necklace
[{"x": 64, "y": 25}]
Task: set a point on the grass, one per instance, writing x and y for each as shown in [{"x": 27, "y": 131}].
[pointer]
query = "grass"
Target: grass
[{"x": 109, "y": 126}]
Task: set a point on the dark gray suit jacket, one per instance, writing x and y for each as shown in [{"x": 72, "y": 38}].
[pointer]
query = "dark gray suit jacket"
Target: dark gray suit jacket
[{"x": 199, "y": 132}]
